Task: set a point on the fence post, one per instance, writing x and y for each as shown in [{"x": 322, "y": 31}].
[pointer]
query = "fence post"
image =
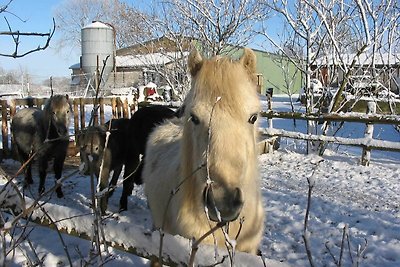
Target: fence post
[
  {"x": 119, "y": 108},
  {"x": 76, "y": 119},
  {"x": 369, "y": 130},
  {"x": 114, "y": 108},
  {"x": 101, "y": 103},
  {"x": 4, "y": 128},
  {"x": 82, "y": 112},
  {"x": 125, "y": 112},
  {"x": 269, "y": 93}
]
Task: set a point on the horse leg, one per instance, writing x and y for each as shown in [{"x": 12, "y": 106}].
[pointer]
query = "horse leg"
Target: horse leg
[
  {"x": 42, "y": 173},
  {"x": 58, "y": 167},
  {"x": 114, "y": 180},
  {"x": 129, "y": 173},
  {"x": 23, "y": 157},
  {"x": 103, "y": 183},
  {"x": 28, "y": 174},
  {"x": 137, "y": 179}
]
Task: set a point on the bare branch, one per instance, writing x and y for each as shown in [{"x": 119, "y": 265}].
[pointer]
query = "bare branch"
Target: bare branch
[{"x": 16, "y": 38}]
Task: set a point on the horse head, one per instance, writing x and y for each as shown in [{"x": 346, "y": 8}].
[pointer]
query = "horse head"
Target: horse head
[
  {"x": 91, "y": 144},
  {"x": 57, "y": 113},
  {"x": 220, "y": 133}
]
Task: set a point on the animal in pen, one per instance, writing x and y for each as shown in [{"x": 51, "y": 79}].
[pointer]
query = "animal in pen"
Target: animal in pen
[
  {"x": 125, "y": 146},
  {"x": 43, "y": 134},
  {"x": 201, "y": 170}
]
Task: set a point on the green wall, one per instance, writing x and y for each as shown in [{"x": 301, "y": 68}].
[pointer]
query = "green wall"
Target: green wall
[
  {"x": 274, "y": 76},
  {"x": 268, "y": 64}
]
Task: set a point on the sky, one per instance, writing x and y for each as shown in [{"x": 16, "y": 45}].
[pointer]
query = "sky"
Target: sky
[{"x": 38, "y": 16}]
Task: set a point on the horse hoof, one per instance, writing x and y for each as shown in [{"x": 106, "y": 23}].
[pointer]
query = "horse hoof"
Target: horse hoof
[
  {"x": 60, "y": 194},
  {"x": 123, "y": 207},
  {"x": 41, "y": 190}
]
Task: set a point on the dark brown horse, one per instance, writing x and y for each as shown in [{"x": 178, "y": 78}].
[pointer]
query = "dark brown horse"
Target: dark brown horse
[
  {"x": 44, "y": 134},
  {"x": 126, "y": 142}
]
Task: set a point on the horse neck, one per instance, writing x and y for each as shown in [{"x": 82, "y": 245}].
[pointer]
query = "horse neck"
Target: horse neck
[{"x": 50, "y": 130}]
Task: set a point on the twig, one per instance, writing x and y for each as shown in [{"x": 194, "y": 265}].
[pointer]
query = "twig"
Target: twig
[
  {"x": 330, "y": 253},
  {"x": 345, "y": 229},
  {"x": 306, "y": 217},
  {"x": 15, "y": 35},
  {"x": 195, "y": 245},
  {"x": 172, "y": 194},
  {"x": 305, "y": 235},
  {"x": 59, "y": 234}
]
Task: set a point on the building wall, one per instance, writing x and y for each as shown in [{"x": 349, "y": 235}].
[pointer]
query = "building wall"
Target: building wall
[{"x": 276, "y": 70}]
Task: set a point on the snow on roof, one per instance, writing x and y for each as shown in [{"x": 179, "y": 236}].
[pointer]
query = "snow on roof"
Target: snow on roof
[
  {"x": 122, "y": 90},
  {"x": 363, "y": 59},
  {"x": 75, "y": 66},
  {"x": 10, "y": 89},
  {"x": 148, "y": 59},
  {"x": 97, "y": 25}
]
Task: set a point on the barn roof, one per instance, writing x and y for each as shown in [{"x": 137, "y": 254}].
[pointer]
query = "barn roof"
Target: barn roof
[
  {"x": 363, "y": 59},
  {"x": 152, "y": 59}
]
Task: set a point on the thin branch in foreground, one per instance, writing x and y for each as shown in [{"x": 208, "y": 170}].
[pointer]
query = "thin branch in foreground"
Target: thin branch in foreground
[
  {"x": 311, "y": 184},
  {"x": 16, "y": 39},
  {"x": 195, "y": 245},
  {"x": 306, "y": 218}
]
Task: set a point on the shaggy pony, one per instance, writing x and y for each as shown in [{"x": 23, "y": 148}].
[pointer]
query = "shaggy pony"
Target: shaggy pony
[
  {"x": 202, "y": 169},
  {"x": 44, "y": 132}
]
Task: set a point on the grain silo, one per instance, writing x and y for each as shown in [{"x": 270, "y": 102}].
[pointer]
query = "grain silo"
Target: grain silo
[{"x": 97, "y": 44}]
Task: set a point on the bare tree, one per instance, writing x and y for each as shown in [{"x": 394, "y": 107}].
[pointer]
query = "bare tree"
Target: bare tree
[
  {"x": 16, "y": 36},
  {"x": 73, "y": 15},
  {"x": 213, "y": 27},
  {"x": 334, "y": 37},
  {"x": 217, "y": 26}
]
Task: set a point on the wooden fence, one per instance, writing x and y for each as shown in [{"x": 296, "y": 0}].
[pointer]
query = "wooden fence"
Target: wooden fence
[
  {"x": 367, "y": 143},
  {"x": 121, "y": 108}
]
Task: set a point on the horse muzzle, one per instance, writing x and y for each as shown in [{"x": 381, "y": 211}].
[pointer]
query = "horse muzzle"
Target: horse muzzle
[{"x": 223, "y": 204}]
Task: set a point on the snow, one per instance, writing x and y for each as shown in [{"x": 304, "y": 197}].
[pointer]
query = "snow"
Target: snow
[
  {"x": 365, "y": 200},
  {"x": 151, "y": 58}
]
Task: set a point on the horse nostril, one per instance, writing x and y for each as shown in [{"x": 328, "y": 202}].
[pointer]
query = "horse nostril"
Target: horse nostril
[
  {"x": 223, "y": 203},
  {"x": 237, "y": 200}
]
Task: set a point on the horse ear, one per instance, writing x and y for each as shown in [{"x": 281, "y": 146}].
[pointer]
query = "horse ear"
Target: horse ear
[
  {"x": 195, "y": 62},
  {"x": 67, "y": 96},
  {"x": 249, "y": 60}
]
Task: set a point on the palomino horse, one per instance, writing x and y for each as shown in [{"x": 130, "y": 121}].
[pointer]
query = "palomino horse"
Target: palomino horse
[
  {"x": 202, "y": 169},
  {"x": 45, "y": 133}
]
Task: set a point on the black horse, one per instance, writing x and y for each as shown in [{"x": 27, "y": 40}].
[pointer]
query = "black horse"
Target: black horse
[
  {"x": 126, "y": 143},
  {"x": 44, "y": 135}
]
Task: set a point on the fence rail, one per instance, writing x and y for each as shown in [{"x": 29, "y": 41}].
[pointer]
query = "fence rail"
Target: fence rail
[
  {"x": 367, "y": 143},
  {"x": 121, "y": 108}
]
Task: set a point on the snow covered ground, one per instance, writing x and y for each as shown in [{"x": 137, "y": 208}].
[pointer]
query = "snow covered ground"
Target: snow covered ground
[{"x": 364, "y": 199}]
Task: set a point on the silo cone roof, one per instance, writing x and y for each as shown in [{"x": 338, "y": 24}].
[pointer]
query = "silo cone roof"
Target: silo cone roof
[{"x": 97, "y": 24}]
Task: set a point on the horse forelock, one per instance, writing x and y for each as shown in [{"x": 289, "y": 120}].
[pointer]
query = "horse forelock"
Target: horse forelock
[
  {"x": 57, "y": 112},
  {"x": 228, "y": 80}
]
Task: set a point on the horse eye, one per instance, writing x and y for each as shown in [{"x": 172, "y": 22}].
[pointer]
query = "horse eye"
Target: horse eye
[
  {"x": 194, "y": 119},
  {"x": 67, "y": 111},
  {"x": 253, "y": 118}
]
